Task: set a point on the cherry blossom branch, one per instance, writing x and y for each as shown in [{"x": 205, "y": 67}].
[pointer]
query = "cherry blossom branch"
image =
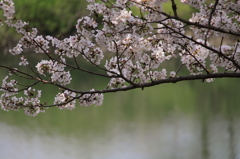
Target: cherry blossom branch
[
  {"x": 196, "y": 24},
  {"x": 135, "y": 46},
  {"x": 74, "y": 67},
  {"x": 205, "y": 46},
  {"x": 164, "y": 81},
  {"x": 144, "y": 85}
]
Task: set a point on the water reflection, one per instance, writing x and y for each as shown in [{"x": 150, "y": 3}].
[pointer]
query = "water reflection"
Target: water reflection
[{"x": 174, "y": 137}]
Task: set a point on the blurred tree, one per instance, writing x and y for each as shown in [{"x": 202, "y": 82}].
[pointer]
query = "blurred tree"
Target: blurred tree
[{"x": 50, "y": 17}]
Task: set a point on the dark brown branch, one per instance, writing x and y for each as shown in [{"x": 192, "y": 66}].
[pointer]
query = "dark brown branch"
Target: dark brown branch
[
  {"x": 184, "y": 47},
  {"x": 174, "y": 8},
  {"x": 101, "y": 68},
  {"x": 119, "y": 68},
  {"x": 179, "y": 68},
  {"x": 212, "y": 12},
  {"x": 38, "y": 79},
  {"x": 150, "y": 84},
  {"x": 13, "y": 69},
  {"x": 168, "y": 80},
  {"x": 26, "y": 87}
]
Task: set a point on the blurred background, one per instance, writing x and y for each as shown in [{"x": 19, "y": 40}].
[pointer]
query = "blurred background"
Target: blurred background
[{"x": 172, "y": 121}]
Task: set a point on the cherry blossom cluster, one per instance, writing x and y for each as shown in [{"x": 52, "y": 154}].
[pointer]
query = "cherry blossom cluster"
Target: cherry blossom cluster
[
  {"x": 8, "y": 8},
  {"x": 55, "y": 69},
  {"x": 65, "y": 97},
  {"x": 130, "y": 42},
  {"x": 9, "y": 99},
  {"x": 91, "y": 99}
]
